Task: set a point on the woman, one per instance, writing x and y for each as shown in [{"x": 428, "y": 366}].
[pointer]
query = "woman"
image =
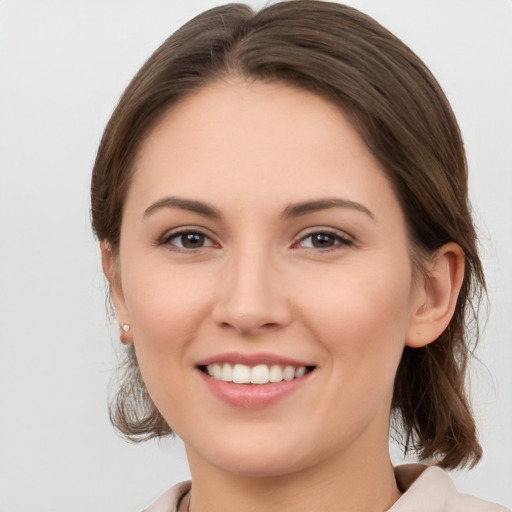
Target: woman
[{"x": 281, "y": 201}]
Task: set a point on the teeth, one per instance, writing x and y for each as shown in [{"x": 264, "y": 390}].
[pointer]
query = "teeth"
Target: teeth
[
  {"x": 300, "y": 371},
  {"x": 216, "y": 370},
  {"x": 289, "y": 373},
  {"x": 275, "y": 373},
  {"x": 259, "y": 374},
  {"x": 241, "y": 374},
  {"x": 226, "y": 374}
]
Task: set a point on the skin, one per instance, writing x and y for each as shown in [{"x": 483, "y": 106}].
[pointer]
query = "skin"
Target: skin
[{"x": 258, "y": 283}]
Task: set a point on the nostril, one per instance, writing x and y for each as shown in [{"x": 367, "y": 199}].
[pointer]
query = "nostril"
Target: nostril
[{"x": 247, "y": 326}]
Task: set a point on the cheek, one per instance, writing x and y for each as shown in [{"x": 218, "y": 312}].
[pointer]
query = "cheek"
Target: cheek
[
  {"x": 164, "y": 300},
  {"x": 166, "y": 309},
  {"x": 362, "y": 316}
]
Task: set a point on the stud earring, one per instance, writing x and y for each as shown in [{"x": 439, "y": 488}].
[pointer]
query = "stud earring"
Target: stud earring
[{"x": 126, "y": 339}]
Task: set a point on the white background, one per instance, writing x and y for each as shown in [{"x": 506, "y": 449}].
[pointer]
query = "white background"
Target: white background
[{"x": 63, "y": 65}]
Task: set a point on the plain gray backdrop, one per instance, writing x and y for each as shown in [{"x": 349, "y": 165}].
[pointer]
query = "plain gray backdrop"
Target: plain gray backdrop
[{"x": 63, "y": 65}]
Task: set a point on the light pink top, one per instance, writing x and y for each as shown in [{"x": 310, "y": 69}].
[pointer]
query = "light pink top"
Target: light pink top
[{"x": 427, "y": 489}]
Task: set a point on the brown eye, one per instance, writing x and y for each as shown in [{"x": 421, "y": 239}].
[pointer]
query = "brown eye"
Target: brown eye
[
  {"x": 324, "y": 240},
  {"x": 192, "y": 240},
  {"x": 188, "y": 240}
]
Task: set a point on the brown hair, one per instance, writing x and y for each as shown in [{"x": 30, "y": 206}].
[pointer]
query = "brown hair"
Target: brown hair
[{"x": 405, "y": 119}]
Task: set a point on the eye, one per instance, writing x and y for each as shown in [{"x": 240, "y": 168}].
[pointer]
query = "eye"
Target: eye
[
  {"x": 324, "y": 240},
  {"x": 187, "y": 240}
]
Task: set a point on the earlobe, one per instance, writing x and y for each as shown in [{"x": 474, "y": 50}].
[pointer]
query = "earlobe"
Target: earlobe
[
  {"x": 437, "y": 296},
  {"x": 125, "y": 335},
  {"x": 111, "y": 271}
]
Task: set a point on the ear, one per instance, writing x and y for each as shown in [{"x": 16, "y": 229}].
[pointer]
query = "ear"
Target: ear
[
  {"x": 436, "y": 296},
  {"x": 111, "y": 271}
]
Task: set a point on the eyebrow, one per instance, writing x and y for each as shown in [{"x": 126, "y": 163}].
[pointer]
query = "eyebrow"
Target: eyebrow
[
  {"x": 292, "y": 210},
  {"x": 303, "y": 208},
  {"x": 183, "y": 204}
]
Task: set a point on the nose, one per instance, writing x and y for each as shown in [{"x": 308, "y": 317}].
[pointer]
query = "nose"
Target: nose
[{"x": 251, "y": 298}]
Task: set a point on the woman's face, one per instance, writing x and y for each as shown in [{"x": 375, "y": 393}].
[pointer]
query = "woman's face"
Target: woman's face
[{"x": 261, "y": 240}]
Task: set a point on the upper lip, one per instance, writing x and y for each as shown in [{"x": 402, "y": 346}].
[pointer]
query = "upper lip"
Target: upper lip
[{"x": 251, "y": 359}]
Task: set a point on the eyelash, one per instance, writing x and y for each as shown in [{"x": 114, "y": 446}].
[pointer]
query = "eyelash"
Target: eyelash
[
  {"x": 339, "y": 240},
  {"x": 166, "y": 240}
]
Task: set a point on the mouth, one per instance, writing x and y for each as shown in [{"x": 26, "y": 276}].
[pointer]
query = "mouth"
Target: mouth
[
  {"x": 259, "y": 374},
  {"x": 254, "y": 381}
]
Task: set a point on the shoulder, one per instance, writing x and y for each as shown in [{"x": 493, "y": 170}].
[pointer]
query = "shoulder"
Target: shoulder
[
  {"x": 169, "y": 501},
  {"x": 429, "y": 488}
]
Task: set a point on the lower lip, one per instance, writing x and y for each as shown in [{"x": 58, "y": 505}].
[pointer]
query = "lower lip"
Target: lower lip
[{"x": 252, "y": 396}]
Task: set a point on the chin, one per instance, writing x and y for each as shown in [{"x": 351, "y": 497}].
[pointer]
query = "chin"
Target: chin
[
  {"x": 259, "y": 457},
  {"x": 259, "y": 466}
]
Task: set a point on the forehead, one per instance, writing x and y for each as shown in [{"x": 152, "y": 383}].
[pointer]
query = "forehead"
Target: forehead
[{"x": 237, "y": 141}]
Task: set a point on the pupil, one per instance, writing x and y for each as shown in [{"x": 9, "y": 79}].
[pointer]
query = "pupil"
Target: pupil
[
  {"x": 322, "y": 240},
  {"x": 191, "y": 240}
]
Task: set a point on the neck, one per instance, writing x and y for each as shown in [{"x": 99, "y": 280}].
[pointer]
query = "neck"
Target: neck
[{"x": 367, "y": 485}]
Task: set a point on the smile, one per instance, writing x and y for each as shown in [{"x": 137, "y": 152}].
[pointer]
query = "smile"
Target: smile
[
  {"x": 253, "y": 381},
  {"x": 258, "y": 374}
]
